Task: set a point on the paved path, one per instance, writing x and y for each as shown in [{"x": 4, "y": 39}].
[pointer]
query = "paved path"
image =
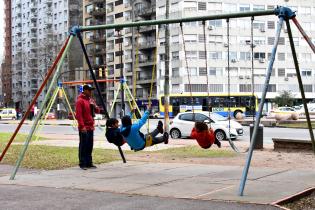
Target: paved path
[{"x": 173, "y": 181}]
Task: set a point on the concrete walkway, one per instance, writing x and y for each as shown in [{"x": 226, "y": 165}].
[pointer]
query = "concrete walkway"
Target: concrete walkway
[{"x": 173, "y": 180}]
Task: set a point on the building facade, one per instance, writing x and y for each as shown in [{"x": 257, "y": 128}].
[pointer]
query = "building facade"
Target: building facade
[
  {"x": 6, "y": 73},
  {"x": 105, "y": 52},
  {"x": 283, "y": 74},
  {"x": 39, "y": 28}
]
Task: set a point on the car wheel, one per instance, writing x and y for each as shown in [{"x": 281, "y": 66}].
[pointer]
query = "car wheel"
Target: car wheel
[
  {"x": 220, "y": 135},
  {"x": 175, "y": 133}
]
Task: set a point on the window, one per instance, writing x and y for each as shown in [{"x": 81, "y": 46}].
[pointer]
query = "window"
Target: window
[
  {"x": 306, "y": 57},
  {"x": 308, "y": 88},
  {"x": 261, "y": 40},
  {"x": 186, "y": 117},
  {"x": 259, "y": 24},
  {"x": 175, "y": 39},
  {"x": 201, "y": 38},
  {"x": 215, "y": 55},
  {"x": 192, "y": 71},
  {"x": 259, "y": 55},
  {"x": 190, "y": 38},
  {"x": 281, "y": 56},
  {"x": 259, "y": 72},
  {"x": 215, "y": 23},
  {"x": 196, "y": 88},
  {"x": 175, "y": 55},
  {"x": 119, "y": 15},
  {"x": 202, "y": 55},
  {"x": 271, "y": 24},
  {"x": 232, "y": 56},
  {"x": 272, "y": 88},
  {"x": 202, "y": 6},
  {"x": 202, "y": 71},
  {"x": 215, "y": 7},
  {"x": 175, "y": 72},
  {"x": 229, "y": 7},
  {"x": 200, "y": 117},
  {"x": 190, "y": 6},
  {"x": 244, "y": 7},
  {"x": 258, "y": 7},
  {"x": 89, "y": 8},
  {"x": 245, "y": 87},
  {"x": 215, "y": 71},
  {"x": 216, "y": 87},
  {"x": 305, "y": 10},
  {"x": 191, "y": 54},
  {"x": 281, "y": 72},
  {"x": 271, "y": 40},
  {"x": 281, "y": 41},
  {"x": 245, "y": 56},
  {"x": 306, "y": 72},
  {"x": 216, "y": 39}
]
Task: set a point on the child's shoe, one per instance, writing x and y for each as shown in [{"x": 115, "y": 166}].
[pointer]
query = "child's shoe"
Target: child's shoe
[
  {"x": 160, "y": 127},
  {"x": 217, "y": 142},
  {"x": 165, "y": 137}
]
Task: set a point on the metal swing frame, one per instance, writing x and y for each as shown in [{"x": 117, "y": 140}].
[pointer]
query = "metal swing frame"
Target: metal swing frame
[{"x": 284, "y": 14}]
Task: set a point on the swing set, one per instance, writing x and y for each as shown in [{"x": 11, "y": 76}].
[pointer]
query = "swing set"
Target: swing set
[{"x": 284, "y": 14}]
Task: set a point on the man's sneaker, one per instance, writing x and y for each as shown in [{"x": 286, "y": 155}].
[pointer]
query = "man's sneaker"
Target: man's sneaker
[
  {"x": 160, "y": 127},
  {"x": 165, "y": 137},
  {"x": 84, "y": 167},
  {"x": 92, "y": 166},
  {"x": 217, "y": 142}
]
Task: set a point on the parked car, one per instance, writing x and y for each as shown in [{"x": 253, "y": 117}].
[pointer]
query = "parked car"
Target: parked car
[
  {"x": 283, "y": 110},
  {"x": 99, "y": 117},
  {"x": 8, "y": 113},
  {"x": 50, "y": 116},
  {"x": 183, "y": 123}
]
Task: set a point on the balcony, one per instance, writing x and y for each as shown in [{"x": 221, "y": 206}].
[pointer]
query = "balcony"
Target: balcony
[
  {"x": 33, "y": 56},
  {"x": 34, "y": 45},
  {"x": 98, "y": 38},
  {"x": 33, "y": 37},
  {"x": 33, "y": 17},
  {"x": 147, "y": 29},
  {"x": 145, "y": 62},
  {"x": 97, "y": 1},
  {"x": 145, "y": 11},
  {"x": 147, "y": 44},
  {"x": 33, "y": 26},
  {"x": 110, "y": 46},
  {"x": 98, "y": 12}
]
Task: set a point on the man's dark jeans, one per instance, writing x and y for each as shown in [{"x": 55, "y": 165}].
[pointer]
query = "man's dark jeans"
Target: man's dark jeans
[{"x": 85, "y": 148}]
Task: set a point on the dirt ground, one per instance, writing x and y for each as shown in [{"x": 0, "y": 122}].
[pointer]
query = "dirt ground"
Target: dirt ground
[
  {"x": 261, "y": 158},
  {"x": 307, "y": 203}
]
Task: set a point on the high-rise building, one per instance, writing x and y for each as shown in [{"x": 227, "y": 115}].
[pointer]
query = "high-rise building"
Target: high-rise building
[
  {"x": 104, "y": 46},
  {"x": 39, "y": 28},
  {"x": 283, "y": 74},
  {"x": 6, "y": 73}
]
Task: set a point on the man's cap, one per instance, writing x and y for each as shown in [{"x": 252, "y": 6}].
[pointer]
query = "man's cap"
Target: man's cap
[{"x": 88, "y": 87}]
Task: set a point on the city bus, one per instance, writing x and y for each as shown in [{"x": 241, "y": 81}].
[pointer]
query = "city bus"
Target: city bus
[{"x": 243, "y": 103}]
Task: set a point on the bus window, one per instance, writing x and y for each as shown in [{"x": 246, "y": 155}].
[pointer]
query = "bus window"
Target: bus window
[
  {"x": 162, "y": 100},
  {"x": 184, "y": 101}
]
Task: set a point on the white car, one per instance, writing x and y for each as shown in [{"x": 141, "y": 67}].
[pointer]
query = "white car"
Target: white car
[{"x": 183, "y": 123}]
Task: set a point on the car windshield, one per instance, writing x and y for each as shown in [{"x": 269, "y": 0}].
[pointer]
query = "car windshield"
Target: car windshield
[{"x": 217, "y": 117}]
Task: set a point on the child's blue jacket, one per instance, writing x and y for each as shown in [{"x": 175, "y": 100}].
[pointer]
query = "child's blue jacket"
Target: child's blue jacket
[{"x": 135, "y": 139}]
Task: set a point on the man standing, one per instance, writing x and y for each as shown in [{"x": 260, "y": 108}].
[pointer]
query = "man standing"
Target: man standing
[{"x": 85, "y": 112}]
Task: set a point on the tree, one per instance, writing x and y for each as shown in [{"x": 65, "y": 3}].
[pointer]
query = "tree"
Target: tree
[{"x": 285, "y": 98}]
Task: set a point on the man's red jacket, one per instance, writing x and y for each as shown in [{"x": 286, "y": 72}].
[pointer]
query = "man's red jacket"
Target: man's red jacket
[
  {"x": 204, "y": 138},
  {"x": 83, "y": 113}
]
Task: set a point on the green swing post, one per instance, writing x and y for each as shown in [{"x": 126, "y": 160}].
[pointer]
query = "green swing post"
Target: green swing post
[
  {"x": 53, "y": 81},
  {"x": 44, "y": 116}
]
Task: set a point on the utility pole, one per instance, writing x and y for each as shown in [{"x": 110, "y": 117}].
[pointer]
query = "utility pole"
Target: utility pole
[{"x": 167, "y": 66}]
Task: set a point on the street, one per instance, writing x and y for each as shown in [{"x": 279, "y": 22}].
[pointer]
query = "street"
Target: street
[{"x": 269, "y": 132}]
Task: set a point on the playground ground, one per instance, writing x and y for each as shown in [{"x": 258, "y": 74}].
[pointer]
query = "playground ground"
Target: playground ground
[{"x": 157, "y": 181}]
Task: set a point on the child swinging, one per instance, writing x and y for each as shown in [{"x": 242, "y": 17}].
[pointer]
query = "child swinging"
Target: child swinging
[{"x": 204, "y": 136}]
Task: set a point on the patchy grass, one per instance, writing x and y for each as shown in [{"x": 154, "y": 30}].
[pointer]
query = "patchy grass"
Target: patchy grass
[
  {"x": 297, "y": 125},
  {"x": 48, "y": 157},
  {"x": 5, "y": 137},
  {"x": 195, "y": 152}
]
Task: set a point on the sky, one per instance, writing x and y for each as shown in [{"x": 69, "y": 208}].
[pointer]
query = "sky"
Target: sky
[{"x": 1, "y": 28}]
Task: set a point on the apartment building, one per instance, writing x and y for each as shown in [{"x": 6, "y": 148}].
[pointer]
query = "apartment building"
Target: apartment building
[
  {"x": 104, "y": 46},
  {"x": 6, "y": 75},
  {"x": 283, "y": 74},
  {"x": 39, "y": 28}
]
